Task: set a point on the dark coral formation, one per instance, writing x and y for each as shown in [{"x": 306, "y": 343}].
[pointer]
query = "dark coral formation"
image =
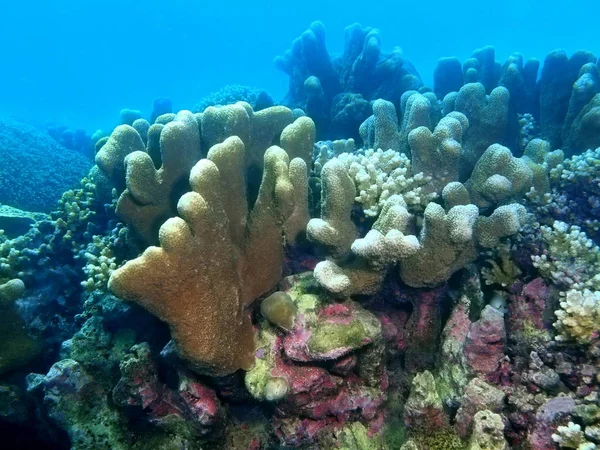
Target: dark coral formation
[
  {"x": 34, "y": 169},
  {"x": 561, "y": 101},
  {"x": 335, "y": 90},
  {"x": 255, "y": 97}
]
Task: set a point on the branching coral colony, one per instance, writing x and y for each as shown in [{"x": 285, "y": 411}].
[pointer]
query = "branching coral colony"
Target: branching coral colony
[{"x": 328, "y": 294}]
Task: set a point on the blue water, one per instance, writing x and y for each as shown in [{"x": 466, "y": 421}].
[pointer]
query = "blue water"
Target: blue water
[{"x": 78, "y": 62}]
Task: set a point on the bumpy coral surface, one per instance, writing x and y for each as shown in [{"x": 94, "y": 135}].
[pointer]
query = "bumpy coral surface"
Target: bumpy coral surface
[
  {"x": 215, "y": 220},
  {"x": 34, "y": 169}
]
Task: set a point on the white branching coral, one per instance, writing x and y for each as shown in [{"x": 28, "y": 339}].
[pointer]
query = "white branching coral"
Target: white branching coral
[
  {"x": 572, "y": 437},
  {"x": 572, "y": 260},
  {"x": 577, "y": 168},
  {"x": 379, "y": 174},
  {"x": 101, "y": 263},
  {"x": 579, "y": 316}
]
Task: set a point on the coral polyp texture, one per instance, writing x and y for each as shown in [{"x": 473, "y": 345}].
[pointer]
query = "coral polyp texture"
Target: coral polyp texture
[
  {"x": 191, "y": 293},
  {"x": 426, "y": 277}
]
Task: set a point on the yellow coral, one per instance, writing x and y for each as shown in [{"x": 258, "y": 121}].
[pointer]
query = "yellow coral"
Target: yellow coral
[{"x": 579, "y": 316}]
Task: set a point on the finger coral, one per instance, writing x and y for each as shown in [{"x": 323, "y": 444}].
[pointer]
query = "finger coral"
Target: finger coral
[
  {"x": 217, "y": 258},
  {"x": 447, "y": 242},
  {"x": 147, "y": 201},
  {"x": 322, "y": 84},
  {"x": 156, "y": 174},
  {"x": 497, "y": 177},
  {"x": 487, "y": 116},
  {"x": 436, "y": 154}
]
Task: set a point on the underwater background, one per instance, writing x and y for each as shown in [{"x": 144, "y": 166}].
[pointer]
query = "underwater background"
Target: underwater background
[
  {"x": 322, "y": 225},
  {"x": 76, "y": 63}
]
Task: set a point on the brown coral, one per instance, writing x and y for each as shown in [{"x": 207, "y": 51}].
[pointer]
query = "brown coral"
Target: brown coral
[{"x": 216, "y": 259}]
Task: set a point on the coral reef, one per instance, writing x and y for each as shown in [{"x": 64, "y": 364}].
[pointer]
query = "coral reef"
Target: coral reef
[
  {"x": 28, "y": 156},
  {"x": 18, "y": 348},
  {"x": 562, "y": 100},
  {"x": 220, "y": 281},
  {"x": 574, "y": 196},
  {"x": 77, "y": 140},
  {"x": 289, "y": 368}
]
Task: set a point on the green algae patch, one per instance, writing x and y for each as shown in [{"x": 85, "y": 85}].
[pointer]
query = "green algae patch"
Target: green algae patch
[
  {"x": 355, "y": 436},
  {"x": 327, "y": 337},
  {"x": 533, "y": 336},
  {"x": 18, "y": 348},
  {"x": 343, "y": 327},
  {"x": 307, "y": 303},
  {"x": 440, "y": 439},
  {"x": 258, "y": 377}
]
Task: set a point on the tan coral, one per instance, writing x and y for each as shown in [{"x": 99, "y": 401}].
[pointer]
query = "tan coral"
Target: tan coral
[
  {"x": 344, "y": 281},
  {"x": 123, "y": 140},
  {"x": 335, "y": 229},
  {"x": 488, "y": 432},
  {"x": 446, "y": 245},
  {"x": 498, "y": 177},
  {"x": 298, "y": 139},
  {"x": 541, "y": 160},
  {"x": 447, "y": 241},
  {"x": 150, "y": 196},
  {"x": 436, "y": 154},
  {"x": 156, "y": 174},
  {"x": 257, "y": 130},
  {"x": 216, "y": 259}
]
